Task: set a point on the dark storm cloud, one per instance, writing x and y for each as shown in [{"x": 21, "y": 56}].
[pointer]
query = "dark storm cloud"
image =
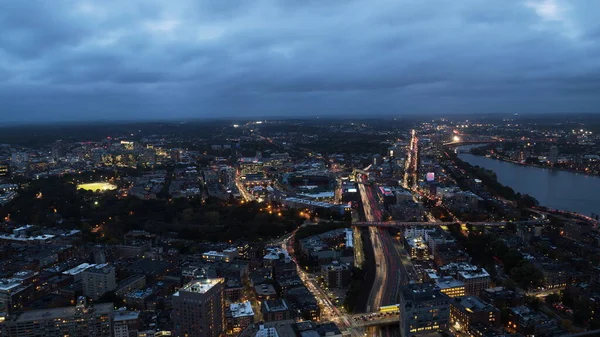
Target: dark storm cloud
[{"x": 154, "y": 59}]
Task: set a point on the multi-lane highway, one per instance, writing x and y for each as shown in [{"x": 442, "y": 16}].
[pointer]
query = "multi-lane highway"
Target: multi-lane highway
[{"x": 384, "y": 290}]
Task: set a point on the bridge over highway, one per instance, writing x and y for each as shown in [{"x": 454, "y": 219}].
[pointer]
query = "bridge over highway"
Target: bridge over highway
[
  {"x": 358, "y": 322},
  {"x": 410, "y": 224}
]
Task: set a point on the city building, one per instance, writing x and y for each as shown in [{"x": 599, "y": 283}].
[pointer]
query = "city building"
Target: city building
[
  {"x": 126, "y": 323},
  {"x": 528, "y": 322},
  {"x": 239, "y": 316},
  {"x": 82, "y": 320},
  {"x": 276, "y": 310},
  {"x": 336, "y": 275},
  {"x": 417, "y": 249},
  {"x": 451, "y": 286},
  {"x": 226, "y": 255},
  {"x": 467, "y": 310},
  {"x": 475, "y": 281},
  {"x": 129, "y": 284},
  {"x": 199, "y": 309},
  {"x": 553, "y": 156},
  {"x": 98, "y": 280},
  {"x": 4, "y": 170},
  {"x": 423, "y": 309}
]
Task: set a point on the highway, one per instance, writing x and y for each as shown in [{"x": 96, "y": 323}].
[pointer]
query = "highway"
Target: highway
[{"x": 384, "y": 290}]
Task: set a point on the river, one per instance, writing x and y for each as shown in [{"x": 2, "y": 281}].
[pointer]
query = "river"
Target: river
[{"x": 558, "y": 189}]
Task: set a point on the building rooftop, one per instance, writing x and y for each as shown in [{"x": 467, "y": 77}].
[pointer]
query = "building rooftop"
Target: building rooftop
[
  {"x": 199, "y": 286},
  {"x": 449, "y": 282},
  {"x": 125, "y": 315},
  {"x": 275, "y": 305},
  {"x": 8, "y": 285},
  {"x": 65, "y": 312},
  {"x": 468, "y": 274},
  {"x": 421, "y": 292},
  {"x": 241, "y": 309},
  {"x": 103, "y": 268},
  {"x": 80, "y": 268},
  {"x": 471, "y": 304}
]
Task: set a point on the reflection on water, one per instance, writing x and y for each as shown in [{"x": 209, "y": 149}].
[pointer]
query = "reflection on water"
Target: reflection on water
[{"x": 552, "y": 188}]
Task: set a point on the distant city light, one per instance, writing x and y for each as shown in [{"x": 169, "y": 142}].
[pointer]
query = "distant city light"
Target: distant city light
[
  {"x": 456, "y": 138},
  {"x": 101, "y": 186},
  {"x": 236, "y": 125}
]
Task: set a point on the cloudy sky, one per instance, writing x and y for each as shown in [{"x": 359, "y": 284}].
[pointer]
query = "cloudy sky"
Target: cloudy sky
[{"x": 149, "y": 59}]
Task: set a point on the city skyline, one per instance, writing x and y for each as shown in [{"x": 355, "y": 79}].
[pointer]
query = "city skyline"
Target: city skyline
[{"x": 78, "y": 61}]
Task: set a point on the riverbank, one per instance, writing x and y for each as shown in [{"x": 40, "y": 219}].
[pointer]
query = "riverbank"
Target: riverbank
[
  {"x": 555, "y": 189},
  {"x": 504, "y": 159}
]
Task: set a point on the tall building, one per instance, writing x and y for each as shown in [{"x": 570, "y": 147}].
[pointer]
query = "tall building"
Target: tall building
[
  {"x": 336, "y": 275},
  {"x": 553, "y": 157},
  {"x": 4, "y": 170},
  {"x": 423, "y": 309},
  {"x": 98, "y": 280},
  {"x": 81, "y": 321},
  {"x": 199, "y": 309}
]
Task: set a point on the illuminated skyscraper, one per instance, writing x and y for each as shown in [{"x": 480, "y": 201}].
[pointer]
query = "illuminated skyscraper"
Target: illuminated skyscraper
[{"x": 199, "y": 309}]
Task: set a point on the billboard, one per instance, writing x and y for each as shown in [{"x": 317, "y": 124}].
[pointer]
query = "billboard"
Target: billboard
[{"x": 430, "y": 176}]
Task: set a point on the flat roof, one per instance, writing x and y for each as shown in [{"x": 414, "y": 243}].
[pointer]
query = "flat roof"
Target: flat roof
[
  {"x": 199, "y": 286},
  {"x": 65, "y": 312},
  {"x": 125, "y": 315},
  {"x": 448, "y": 282},
  {"x": 9, "y": 284},
  {"x": 241, "y": 309},
  {"x": 80, "y": 268}
]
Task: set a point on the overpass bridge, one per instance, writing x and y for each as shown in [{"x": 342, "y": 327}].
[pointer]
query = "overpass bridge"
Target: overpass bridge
[
  {"x": 359, "y": 322},
  {"x": 426, "y": 224},
  {"x": 474, "y": 141}
]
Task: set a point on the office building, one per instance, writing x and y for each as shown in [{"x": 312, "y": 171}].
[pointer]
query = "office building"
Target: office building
[
  {"x": 81, "y": 320},
  {"x": 4, "y": 170},
  {"x": 199, "y": 309},
  {"x": 450, "y": 286},
  {"x": 468, "y": 310},
  {"x": 14, "y": 294},
  {"x": 98, "y": 280},
  {"x": 423, "y": 309},
  {"x": 553, "y": 156}
]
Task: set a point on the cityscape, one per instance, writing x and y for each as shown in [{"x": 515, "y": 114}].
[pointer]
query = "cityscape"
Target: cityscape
[
  {"x": 328, "y": 227},
  {"x": 285, "y": 168}
]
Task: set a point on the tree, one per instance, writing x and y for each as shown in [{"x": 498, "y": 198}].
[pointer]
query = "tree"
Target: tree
[{"x": 552, "y": 298}]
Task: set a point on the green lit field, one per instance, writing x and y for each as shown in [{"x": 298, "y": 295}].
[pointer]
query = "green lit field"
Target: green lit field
[{"x": 97, "y": 186}]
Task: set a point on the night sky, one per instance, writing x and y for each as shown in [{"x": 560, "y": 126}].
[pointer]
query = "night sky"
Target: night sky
[{"x": 115, "y": 59}]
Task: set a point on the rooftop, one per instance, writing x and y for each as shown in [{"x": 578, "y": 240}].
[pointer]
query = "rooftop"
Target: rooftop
[
  {"x": 103, "y": 268},
  {"x": 199, "y": 286},
  {"x": 65, "y": 313},
  {"x": 241, "y": 309},
  {"x": 474, "y": 274},
  {"x": 275, "y": 305},
  {"x": 78, "y": 269},
  {"x": 449, "y": 282},
  {"x": 471, "y": 304},
  {"x": 125, "y": 315},
  {"x": 9, "y": 284}
]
